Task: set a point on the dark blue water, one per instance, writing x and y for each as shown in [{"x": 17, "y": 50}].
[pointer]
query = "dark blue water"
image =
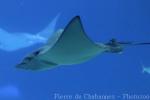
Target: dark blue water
[{"x": 108, "y": 74}]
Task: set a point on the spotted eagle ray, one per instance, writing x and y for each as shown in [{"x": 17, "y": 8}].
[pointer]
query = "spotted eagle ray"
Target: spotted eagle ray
[{"x": 69, "y": 46}]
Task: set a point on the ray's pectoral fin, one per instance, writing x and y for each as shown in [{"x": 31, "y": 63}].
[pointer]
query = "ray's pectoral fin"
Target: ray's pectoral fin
[{"x": 73, "y": 45}]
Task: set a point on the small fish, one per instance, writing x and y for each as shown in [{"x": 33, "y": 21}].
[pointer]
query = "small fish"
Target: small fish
[{"x": 145, "y": 69}]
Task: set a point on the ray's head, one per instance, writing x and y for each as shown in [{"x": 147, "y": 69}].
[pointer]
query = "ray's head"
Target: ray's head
[
  {"x": 26, "y": 63},
  {"x": 29, "y": 62}
]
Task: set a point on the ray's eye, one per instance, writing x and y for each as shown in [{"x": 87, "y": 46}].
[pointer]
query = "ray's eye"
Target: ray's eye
[
  {"x": 36, "y": 53},
  {"x": 31, "y": 57}
]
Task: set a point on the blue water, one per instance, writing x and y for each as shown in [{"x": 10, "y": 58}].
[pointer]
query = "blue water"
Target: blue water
[{"x": 126, "y": 20}]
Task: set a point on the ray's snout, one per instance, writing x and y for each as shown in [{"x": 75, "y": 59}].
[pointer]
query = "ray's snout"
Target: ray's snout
[
  {"x": 25, "y": 62},
  {"x": 21, "y": 65}
]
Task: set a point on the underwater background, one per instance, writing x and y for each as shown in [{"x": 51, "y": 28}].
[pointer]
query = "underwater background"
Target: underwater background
[{"x": 125, "y": 20}]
